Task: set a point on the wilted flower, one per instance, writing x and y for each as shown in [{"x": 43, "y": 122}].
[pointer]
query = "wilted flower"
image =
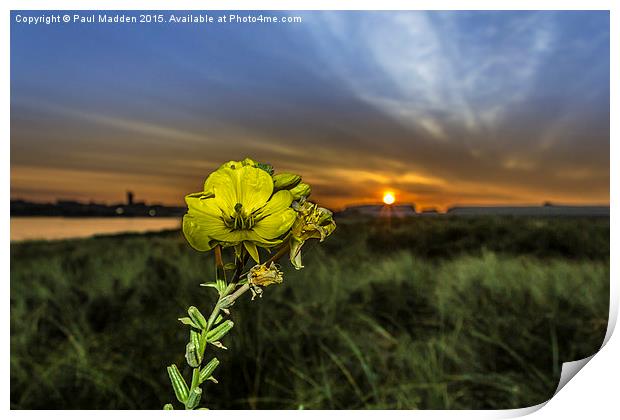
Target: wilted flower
[
  {"x": 312, "y": 222},
  {"x": 263, "y": 275},
  {"x": 238, "y": 206}
]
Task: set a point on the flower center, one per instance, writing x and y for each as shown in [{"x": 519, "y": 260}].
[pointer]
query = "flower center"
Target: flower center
[{"x": 239, "y": 220}]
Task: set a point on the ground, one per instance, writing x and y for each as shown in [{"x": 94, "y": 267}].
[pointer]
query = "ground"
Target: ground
[{"x": 426, "y": 313}]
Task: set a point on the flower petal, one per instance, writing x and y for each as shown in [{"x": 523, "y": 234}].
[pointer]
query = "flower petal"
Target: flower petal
[
  {"x": 295, "y": 254},
  {"x": 247, "y": 185},
  {"x": 254, "y": 187},
  {"x": 222, "y": 183},
  {"x": 275, "y": 224},
  {"x": 278, "y": 202},
  {"x": 203, "y": 204},
  {"x": 252, "y": 250},
  {"x": 196, "y": 234},
  {"x": 235, "y": 164}
]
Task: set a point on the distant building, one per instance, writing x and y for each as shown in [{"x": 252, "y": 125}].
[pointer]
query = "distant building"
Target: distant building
[
  {"x": 407, "y": 210},
  {"x": 429, "y": 211},
  {"x": 68, "y": 208},
  {"x": 379, "y": 210},
  {"x": 545, "y": 210}
]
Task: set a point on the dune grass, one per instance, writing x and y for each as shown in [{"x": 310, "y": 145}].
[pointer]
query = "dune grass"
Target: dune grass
[{"x": 482, "y": 318}]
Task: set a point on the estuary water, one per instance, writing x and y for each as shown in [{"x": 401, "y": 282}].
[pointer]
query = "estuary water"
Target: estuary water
[{"x": 49, "y": 228}]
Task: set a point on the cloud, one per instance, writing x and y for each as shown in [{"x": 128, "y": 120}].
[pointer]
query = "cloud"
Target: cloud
[
  {"x": 442, "y": 106},
  {"x": 418, "y": 65}
]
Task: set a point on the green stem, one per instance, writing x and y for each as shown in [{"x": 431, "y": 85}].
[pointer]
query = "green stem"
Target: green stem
[{"x": 241, "y": 262}]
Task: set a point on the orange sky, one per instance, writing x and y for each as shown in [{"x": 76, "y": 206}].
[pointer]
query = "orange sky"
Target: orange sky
[{"x": 442, "y": 108}]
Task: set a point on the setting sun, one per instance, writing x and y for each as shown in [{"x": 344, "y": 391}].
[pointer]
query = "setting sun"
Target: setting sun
[{"x": 388, "y": 197}]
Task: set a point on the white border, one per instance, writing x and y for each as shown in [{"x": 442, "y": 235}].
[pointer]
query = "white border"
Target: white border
[{"x": 593, "y": 393}]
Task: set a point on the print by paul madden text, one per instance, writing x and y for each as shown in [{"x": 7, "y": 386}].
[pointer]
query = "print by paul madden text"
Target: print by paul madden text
[{"x": 152, "y": 18}]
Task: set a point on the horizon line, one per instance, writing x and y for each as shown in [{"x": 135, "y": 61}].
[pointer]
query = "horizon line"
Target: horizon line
[{"x": 543, "y": 203}]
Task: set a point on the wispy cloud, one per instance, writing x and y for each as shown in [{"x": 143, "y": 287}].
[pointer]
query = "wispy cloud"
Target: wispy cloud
[{"x": 426, "y": 69}]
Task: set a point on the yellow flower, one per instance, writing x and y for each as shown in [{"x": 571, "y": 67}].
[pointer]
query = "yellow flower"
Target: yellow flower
[{"x": 237, "y": 207}]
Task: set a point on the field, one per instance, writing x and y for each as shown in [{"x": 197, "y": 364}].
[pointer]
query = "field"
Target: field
[{"x": 432, "y": 313}]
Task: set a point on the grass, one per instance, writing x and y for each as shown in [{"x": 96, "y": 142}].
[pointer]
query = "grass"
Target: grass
[{"x": 433, "y": 314}]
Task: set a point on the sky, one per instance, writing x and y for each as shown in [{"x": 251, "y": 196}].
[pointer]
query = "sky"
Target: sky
[{"x": 443, "y": 108}]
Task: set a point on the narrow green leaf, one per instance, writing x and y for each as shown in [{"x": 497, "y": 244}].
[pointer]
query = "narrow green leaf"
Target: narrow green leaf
[
  {"x": 178, "y": 383},
  {"x": 197, "y": 317},
  {"x": 230, "y": 266},
  {"x": 195, "y": 378},
  {"x": 194, "y": 398},
  {"x": 188, "y": 321},
  {"x": 220, "y": 331},
  {"x": 229, "y": 289},
  {"x": 221, "y": 285},
  {"x": 208, "y": 370}
]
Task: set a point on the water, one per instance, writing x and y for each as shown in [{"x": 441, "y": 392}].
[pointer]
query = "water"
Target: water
[{"x": 24, "y": 228}]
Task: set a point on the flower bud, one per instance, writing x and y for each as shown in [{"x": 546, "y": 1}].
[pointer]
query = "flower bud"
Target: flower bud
[
  {"x": 301, "y": 190},
  {"x": 285, "y": 181}
]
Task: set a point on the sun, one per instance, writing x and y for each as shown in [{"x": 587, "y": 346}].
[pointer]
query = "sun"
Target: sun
[{"x": 388, "y": 197}]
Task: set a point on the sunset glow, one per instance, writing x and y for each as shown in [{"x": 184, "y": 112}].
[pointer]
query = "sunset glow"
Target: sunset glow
[
  {"x": 497, "y": 108},
  {"x": 388, "y": 198}
]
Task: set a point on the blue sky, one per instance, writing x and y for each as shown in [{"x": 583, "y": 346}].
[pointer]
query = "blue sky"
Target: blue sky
[{"x": 442, "y": 107}]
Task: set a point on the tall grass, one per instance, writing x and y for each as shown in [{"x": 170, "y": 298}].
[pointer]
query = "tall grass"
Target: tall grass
[{"x": 370, "y": 323}]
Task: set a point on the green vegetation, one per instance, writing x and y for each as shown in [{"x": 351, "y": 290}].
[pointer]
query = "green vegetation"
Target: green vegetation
[{"x": 432, "y": 313}]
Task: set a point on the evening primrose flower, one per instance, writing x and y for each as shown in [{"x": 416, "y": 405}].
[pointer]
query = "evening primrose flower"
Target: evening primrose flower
[
  {"x": 238, "y": 207},
  {"x": 245, "y": 206},
  {"x": 312, "y": 222}
]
